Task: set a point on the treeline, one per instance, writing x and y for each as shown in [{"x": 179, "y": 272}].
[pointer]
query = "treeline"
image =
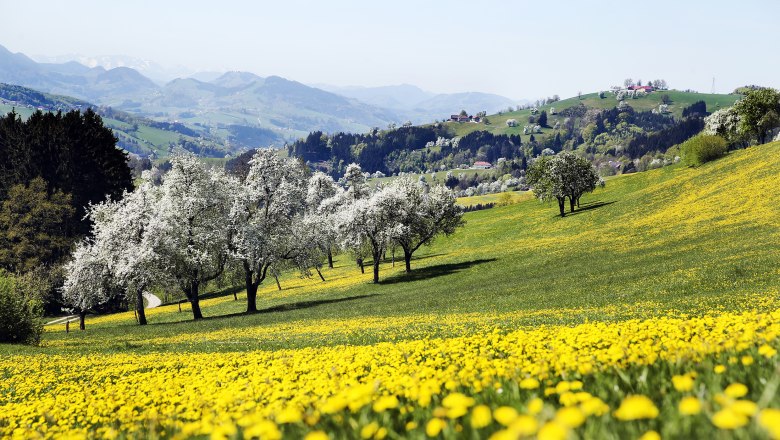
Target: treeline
[
  {"x": 52, "y": 166},
  {"x": 369, "y": 150}
]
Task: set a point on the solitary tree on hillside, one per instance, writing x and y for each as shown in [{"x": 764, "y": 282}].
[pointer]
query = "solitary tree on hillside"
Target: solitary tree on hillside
[
  {"x": 759, "y": 113},
  {"x": 562, "y": 176}
]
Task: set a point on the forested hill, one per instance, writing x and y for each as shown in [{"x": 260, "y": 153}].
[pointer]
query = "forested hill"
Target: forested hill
[
  {"x": 619, "y": 132},
  {"x": 135, "y": 134}
]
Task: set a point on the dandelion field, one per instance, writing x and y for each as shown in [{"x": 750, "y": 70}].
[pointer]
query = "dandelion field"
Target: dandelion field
[{"x": 651, "y": 313}]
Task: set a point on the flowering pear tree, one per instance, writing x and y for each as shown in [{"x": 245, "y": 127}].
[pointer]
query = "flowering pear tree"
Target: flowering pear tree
[
  {"x": 265, "y": 207},
  {"x": 87, "y": 281},
  {"x": 190, "y": 230},
  {"x": 425, "y": 215},
  {"x": 322, "y": 200},
  {"x": 121, "y": 229},
  {"x": 373, "y": 223}
]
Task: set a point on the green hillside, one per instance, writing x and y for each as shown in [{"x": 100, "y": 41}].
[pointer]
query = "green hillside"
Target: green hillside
[
  {"x": 679, "y": 100},
  {"x": 673, "y": 239},
  {"x": 135, "y": 134}
]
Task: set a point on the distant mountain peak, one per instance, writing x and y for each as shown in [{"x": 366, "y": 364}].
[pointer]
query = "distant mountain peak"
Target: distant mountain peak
[{"x": 236, "y": 78}]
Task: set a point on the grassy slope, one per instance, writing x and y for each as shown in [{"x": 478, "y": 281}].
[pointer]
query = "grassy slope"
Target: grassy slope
[
  {"x": 680, "y": 100},
  {"x": 688, "y": 240}
]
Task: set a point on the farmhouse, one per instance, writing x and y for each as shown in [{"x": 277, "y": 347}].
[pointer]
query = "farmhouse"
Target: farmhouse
[
  {"x": 647, "y": 89},
  {"x": 479, "y": 165},
  {"x": 460, "y": 118}
]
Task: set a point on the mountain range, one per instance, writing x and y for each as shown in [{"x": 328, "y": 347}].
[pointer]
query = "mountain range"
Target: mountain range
[{"x": 237, "y": 102}]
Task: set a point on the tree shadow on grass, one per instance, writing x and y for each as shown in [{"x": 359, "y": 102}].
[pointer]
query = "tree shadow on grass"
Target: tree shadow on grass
[
  {"x": 587, "y": 207},
  {"x": 434, "y": 271},
  {"x": 280, "y": 308}
]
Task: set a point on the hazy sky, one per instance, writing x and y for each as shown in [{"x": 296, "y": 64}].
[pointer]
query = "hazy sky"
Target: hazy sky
[{"x": 519, "y": 49}]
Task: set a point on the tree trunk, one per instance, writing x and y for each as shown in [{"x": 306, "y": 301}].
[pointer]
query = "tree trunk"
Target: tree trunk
[
  {"x": 278, "y": 286},
  {"x": 235, "y": 296},
  {"x": 360, "y": 264},
  {"x": 562, "y": 206},
  {"x": 320, "y": 273},
  {"x": 572, "y": 202},
  {"x": 393, "y": 254},
  {"x": 251, "y": 297},
  {"x": 82, "y": 317},
  {"x": 377, "y": 258},
  {"x": 192, "y": 295},
  {"x": 408, "y": 260},
  {"x": 139, "y": 306},
  {"x": 196, "y": 313},
  {"x": 330, "y": 259}
]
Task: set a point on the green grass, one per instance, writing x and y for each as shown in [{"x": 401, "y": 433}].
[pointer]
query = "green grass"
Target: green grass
[
  {"x": 680, "y": 100},
  {"x": 692, "y": 240}
]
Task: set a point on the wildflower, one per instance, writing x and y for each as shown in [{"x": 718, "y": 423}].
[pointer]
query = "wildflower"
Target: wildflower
[
  {"x": 689, "y": 406},
  {"x": 535, "y": 406},
  {"x": 369, "y": 430},
  {"x": 736, "y": 390},
  {"x": 505, "y": 415},
  {"x": 682, "y": 382},
  {"x": 636, "y": 407},
  {"x": 747, "y": 360},
  {"x": 744, "y": 407},
  {"x": 571, "y": 417},
  {"x": 524, "y": 425},
  {"x": 481, "y": 416},
  {"x": 384, "y": 403},
  {"x": 552, "y": 431},
  {"x": 769, "y": 419},
  {"x": 434, "y": 427},
  {"x": 316, "y": 435},
  {"x": 719, "y": 369},
  {"x": 650, "y": 435},
  {"x": 767, "y": 351},
  {"x": 529, "y": 384},
  {"x": 289, "y": 415},
  {"x": 729, "y": 419}
]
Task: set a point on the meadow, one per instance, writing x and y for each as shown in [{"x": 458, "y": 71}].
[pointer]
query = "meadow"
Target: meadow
[{"x": 652, "y": 311}]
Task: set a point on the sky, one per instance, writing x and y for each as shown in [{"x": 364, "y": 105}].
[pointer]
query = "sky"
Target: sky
[{"x": 518, "y": 49}]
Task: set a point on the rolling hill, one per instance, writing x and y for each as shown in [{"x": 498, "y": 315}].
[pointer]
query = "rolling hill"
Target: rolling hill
[
  {"x": 679, "y": 100},
  {"x": 672, "y": 240},
  {"x": 662, "y": 287}
]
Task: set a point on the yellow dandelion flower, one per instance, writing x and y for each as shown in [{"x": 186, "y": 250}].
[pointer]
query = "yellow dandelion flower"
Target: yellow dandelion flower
[
  {"x": 317, "y": 435},
  {"x": 729, "y": 419},
  {"x": 682, "y": 382},
  {"x": 767, "y": 351},
  {"x": 689, "y": 406},
  {"x": 535, "y": 406},
  {"x": 736, "y": 390},
  {"x": 481, "y": 416},
  {"x": 434, "y": 427},
  {"x": 769, "y": 419},
  {"x": 571, "y": 417},
  {"x": 369, "y": 430},
  {"x": 524, "y": 425},
  {"x": 529, "y": 384},
  {"x": 505, "y": 415},
  {"x": 636, "y": 407},
  {"x": 552, "y": 431},
  {"x": 650, "y": 435}
]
